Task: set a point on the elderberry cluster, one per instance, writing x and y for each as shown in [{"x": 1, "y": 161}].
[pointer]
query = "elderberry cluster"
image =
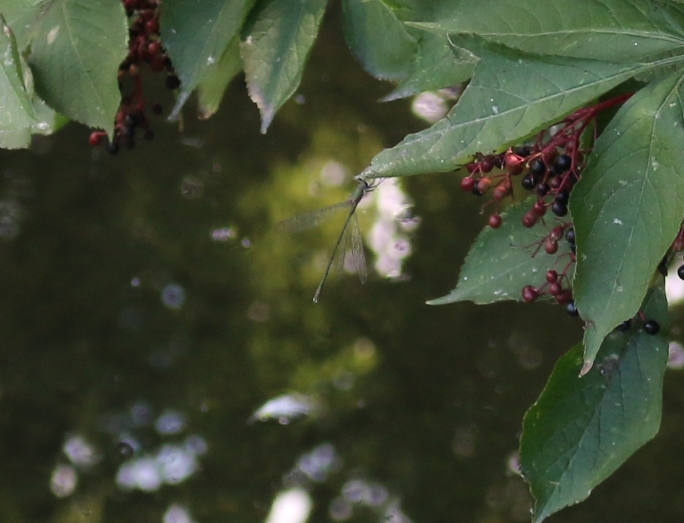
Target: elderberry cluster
[
  {"x": 144, "y": 49},
  {"x": 557, "y": 283},
  {"x": 549, "y": 168}
]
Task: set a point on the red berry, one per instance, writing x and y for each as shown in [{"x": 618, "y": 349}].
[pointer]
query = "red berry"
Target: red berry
[
  {"x": 95, "y": 138},
  {"x": 529, "y": 293},
  {"x": 499, "y": 193},
  {"x": 486, "y": 165},
  {"x": 551, "y": 246},
  {"x": 564, "y": 297},
  {"x": 467, "y": 183},
  {"x": 555, "y": 289},
  {"x": 551, "y": 276},
  {"x": 154, "y": 48},
  {"x": 539, "y": 208},
  {"x": 556, "y": 233},
  {"x": 529, "y": 219},
  {"x": 483, "y": 184},
  {"x": 514, "y": 164},
  {"x": 152, "y": 26},
  {"x": 495, "y": 221}
]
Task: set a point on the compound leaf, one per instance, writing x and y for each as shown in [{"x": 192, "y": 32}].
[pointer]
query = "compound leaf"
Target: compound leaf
[
  {"x": 628, "y": 207},
  {"x": 581, "y": 430}
]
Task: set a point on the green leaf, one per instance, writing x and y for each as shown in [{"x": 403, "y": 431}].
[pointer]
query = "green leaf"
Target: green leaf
[
  {"x": 502, "y": 261},
  {"x": 611, "y": 30},
  {"x": 196, "y": 37},
  {"x": 21, "y": 15},
  {"x": 17, "y": 114},
  {"x": 211, "y": 88},
  {"x": 75, "y": 57},
  {"x": 378, "y": 38},
  {"x": 275, "y": 51},
  {"x": 581, "y": 429},
  {"x": 437, "y": 64},
  {"x": 628, "y": 206},
  {"x": 49, "y": 121},
  {"x": 510, "y": 97}
]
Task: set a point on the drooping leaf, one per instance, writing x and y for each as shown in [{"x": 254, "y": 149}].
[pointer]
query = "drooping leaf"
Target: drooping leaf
[
  {"x": 628, "y": 206},
  {"x": 75, "y": 55},
  {"x": 20, "y": 16},
  {"x": 437, "y": 65},
  {"x": 502, "y": 261},
  {"x": 580, "y": 430},
  {"x": 16, "y": 110},
  {"x": 378, "y": 38},
  {"x": 275, "y": 51},
  {"x": 510, "y": 97},
  {"x": 610, "y": 30},
  {"x": 211, "y": 88},
  {"x": 196, "y": 37}
]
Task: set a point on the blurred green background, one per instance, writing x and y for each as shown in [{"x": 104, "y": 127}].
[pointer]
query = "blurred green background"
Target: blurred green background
[{"x": 150, "y": 309}]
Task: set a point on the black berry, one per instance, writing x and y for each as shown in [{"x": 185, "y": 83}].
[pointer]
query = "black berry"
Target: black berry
[
  {"x": 543, "y": 189},
  {"x": 680, "y": 272},
  {"x": 570, "y": 235},
  {"x": 562, "y": 164},
  {"x": 522, "y": 150},
  {"x": 562, "y": 196},
  {"x": 559, "y": 208},
  {"x": 112, "y": 148},
  {"x": 537, "y": 167},
  {"x": 172, "y": 81},
  {"x": 572, "y": 309},
  {"x": 624, "y": 326},
  {"x": 652, "y": 327},
  {"x": 528, "y": 182}
]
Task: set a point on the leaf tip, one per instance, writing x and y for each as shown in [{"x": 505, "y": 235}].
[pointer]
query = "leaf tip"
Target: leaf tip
[{"x": 586, "y": 367}]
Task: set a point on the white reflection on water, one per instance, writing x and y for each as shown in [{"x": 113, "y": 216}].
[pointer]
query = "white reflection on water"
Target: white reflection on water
[
  {"x": 290, "y": 506},
  {"x": 323, "y": 461},
  {"x": 389, "y": 237},
  {"x": 63, "y": 481},
  {"x": 317, "y": 464},
  {"x": 434, "y": 105},
  {"x": 223, "y": 234},
  {"x": 177, "y": 514},
  {"x": 170, "y": 422},
  {"x": 172, "y": 464},
  {"x": 173, "y": 296},
  {"x": 675, "y": 359},
  {"x": 674, "y": 287},
  {"x": 284, "y": 408},
  {"x": 80, "y": 452}
]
